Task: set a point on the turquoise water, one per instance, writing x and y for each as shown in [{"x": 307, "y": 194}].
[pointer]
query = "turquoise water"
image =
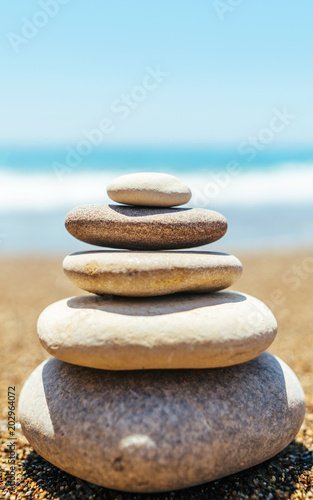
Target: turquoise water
[
  {"x": 267, "y": 200},
  {"x": 184, "y": 160}
]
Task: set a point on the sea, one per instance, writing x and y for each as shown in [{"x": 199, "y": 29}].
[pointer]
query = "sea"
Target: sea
[{"x": 266, "y": 195}]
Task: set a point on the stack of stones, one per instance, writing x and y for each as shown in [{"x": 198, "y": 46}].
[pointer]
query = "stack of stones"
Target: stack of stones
[{"x": 153, "y": 389}]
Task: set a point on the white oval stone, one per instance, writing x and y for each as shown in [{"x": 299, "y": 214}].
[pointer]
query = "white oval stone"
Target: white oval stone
[
  {"x": 176, "y": 331},
  {"x": 149, "y": 431},
  {"x": 149, "y": 189},
  {"x": 144, "y": 274}
]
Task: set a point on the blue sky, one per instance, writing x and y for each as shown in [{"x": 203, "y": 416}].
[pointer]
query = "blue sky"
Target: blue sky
[{"x": 226, "y": 71}]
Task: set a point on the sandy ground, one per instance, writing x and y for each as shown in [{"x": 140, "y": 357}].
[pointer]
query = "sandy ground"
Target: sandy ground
[{"x": 283, "y": 281}]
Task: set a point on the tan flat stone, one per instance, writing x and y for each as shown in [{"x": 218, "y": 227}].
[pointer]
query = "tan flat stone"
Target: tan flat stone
[
  {"x": 151, "y": 431},
  {"x": 150, "y": 189},
  {"x": 138, "y": 228},
  {"x": 173, "y": 331},
  {"x": 144, "y": 274}
]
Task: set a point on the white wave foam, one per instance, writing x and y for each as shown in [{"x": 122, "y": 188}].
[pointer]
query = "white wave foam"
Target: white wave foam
[
  {"x": 42, "y": 192},
  {"x": 291, "y": 183}
]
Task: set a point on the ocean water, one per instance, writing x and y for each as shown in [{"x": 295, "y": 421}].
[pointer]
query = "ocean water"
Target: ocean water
[{"x": 266, "y": 196}]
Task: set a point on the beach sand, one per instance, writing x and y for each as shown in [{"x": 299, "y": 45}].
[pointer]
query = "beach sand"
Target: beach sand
[{"x": 283, "y": 281}]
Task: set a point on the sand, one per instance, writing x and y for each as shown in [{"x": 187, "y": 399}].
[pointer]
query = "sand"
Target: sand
[{"x": 283, "y": 281}]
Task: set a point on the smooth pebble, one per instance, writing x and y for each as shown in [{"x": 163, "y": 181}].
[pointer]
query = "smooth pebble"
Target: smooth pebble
[
  {"x": 149, "y": 189},
  {"x": 138, "y": 228},
  {"x": 144, "y": 274},
  {"x": 173, "y": 331},
  {"x": 150, "y": 431}
]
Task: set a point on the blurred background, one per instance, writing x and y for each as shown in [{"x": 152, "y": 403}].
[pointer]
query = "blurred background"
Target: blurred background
[{"x": 216, "y": 92}]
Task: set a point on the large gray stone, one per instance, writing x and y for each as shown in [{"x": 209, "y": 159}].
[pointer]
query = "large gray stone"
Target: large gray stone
[
  {"x": 147, "y": 431},
  {"x": 176, "y": 331},
  {"x": 139, "y": 228},
  {"x": 151, "y": 189},
  {"x": 144, "y": 274}
]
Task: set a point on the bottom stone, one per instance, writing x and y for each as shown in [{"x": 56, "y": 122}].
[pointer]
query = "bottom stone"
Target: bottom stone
[{"x": 149, "y": 431}]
